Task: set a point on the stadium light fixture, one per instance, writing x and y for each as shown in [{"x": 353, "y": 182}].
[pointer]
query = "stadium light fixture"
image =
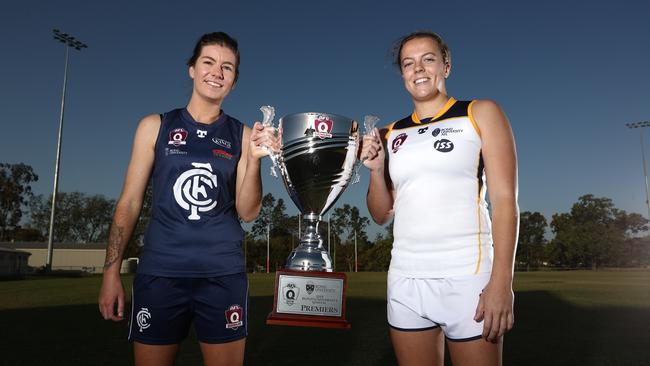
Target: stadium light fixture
[
  {"x": 70, "y": 42},
  {"x": 645, "y": 170}
]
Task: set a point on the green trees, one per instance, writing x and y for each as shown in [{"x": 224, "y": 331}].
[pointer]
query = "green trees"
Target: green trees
[
  {"x": 593, "y": 234},
  {"x": 530, "y": 250},
  {"x": 283, "y": 232},
  {"x": 377, "y": 257},
  {"x": 346, "y": 222},
  {"x": 15, "y": 191},
  {"x": 80, "y": 217}
]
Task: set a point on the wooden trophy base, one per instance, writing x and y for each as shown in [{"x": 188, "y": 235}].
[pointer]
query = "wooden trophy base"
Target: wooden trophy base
[{"x": 309, "y": 299}]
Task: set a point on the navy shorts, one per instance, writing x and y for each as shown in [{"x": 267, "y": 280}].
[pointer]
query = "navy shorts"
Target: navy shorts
[{"x": 162, "y": 309}]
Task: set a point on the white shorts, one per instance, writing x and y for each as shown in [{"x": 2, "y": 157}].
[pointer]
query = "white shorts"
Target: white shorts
[{"x": 416, "y": 304}]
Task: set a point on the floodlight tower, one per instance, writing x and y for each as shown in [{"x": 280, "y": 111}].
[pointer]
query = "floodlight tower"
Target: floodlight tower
[
  {"x": 69, "y": 42},
  {"x": 645, "y": 170}
]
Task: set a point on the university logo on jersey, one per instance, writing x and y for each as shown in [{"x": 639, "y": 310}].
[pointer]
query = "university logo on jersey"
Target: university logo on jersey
[
  {"x": 143, "y": 319},
  {"x": 234, "y": 317},
  {"x": 177, "y": 137},
  {"x": 323, "y": 127},
  {"x": 398, "y": 142},
  {"x": 443, "y": 145},
  {"x": 193, "y": 187},
  {"x": 445, "y": 131}
]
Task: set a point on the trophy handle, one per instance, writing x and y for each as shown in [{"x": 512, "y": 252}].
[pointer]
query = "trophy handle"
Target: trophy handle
[
  {"x": 369, "y": 123},
  {"x": 268, "y": 113}
]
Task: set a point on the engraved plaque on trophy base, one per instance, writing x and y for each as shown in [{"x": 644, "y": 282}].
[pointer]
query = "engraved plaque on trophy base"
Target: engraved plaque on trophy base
[{"x": 309, "y": 299}]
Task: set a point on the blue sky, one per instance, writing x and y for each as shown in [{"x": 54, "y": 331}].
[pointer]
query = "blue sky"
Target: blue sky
[{"x": 569, "y": 75}]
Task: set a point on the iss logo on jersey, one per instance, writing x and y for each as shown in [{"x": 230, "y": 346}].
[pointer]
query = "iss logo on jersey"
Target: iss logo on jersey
[
  {"x": 234, "y": 317},
  {"x": 177, "y": 137},
  {"x": 443, "y": 145},
  {"x": 195, "y": 188},
  {"x": 143, "y": 319},
  {"x": 398, "y": 142},
  {"x": 323, "y": 127}
]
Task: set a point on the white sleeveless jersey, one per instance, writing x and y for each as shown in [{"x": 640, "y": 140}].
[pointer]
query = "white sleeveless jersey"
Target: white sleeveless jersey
[{"x": 442, "y": 226}]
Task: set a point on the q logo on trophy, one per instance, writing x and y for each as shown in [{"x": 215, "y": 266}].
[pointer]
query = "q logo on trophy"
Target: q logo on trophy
[{"x": 317, "y": 161}]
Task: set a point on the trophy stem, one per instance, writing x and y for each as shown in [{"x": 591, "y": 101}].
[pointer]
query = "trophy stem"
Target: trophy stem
[{"x": 310, "y": 255}]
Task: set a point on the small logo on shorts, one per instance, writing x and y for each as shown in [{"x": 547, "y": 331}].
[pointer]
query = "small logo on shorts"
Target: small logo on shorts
[
  {"x": 290, "y": 293},
  {"x": 143, "y": 319},
  {"x": 234, "y": 316}
]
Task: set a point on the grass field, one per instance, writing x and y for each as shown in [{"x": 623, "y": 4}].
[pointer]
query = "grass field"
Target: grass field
[{"x": 562, "y": 318}]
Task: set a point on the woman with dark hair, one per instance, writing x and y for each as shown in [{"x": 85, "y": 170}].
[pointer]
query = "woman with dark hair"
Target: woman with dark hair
[
  {"x": 205, "y": 171},
  {"x": 451, "y": 267}
]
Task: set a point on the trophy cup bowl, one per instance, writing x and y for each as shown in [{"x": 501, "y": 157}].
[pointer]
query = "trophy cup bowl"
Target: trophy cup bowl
[{"x": 317, "y": 162}]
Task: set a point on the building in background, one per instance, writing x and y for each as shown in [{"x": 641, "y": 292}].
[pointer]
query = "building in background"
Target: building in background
[
  {"x": 71, "y": 257},
  {"x": 13, "y": 262}
]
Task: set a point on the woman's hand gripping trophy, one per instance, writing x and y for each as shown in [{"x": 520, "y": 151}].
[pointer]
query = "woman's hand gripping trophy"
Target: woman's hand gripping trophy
[{"x": 268, "y": 113}]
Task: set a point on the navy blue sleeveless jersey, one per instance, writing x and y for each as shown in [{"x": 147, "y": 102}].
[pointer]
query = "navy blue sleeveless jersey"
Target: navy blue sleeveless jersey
[{"x": 194, "y": 230}]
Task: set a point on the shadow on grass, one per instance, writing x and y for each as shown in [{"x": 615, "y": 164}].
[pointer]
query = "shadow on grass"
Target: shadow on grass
[{"x": 548, "y": 331}]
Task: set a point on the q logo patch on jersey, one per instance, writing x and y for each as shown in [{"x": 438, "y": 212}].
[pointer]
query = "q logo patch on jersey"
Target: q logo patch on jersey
[
  {"x": 398, "y": 142},
  {"x": 177, "y": 137},
  {"x": 323, "y": 127},
  {"x": 194, "y": 189}
]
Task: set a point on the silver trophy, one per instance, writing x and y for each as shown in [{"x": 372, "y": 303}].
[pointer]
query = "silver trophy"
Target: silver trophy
[{"x": 316, "y": 163}]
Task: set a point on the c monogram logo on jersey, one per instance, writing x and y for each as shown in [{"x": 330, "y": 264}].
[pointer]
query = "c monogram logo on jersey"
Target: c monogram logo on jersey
[
  {"x": 398, "y": 142},
  {"x": 443, "y": 145},
  {"x": 191, "y": 190}
]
